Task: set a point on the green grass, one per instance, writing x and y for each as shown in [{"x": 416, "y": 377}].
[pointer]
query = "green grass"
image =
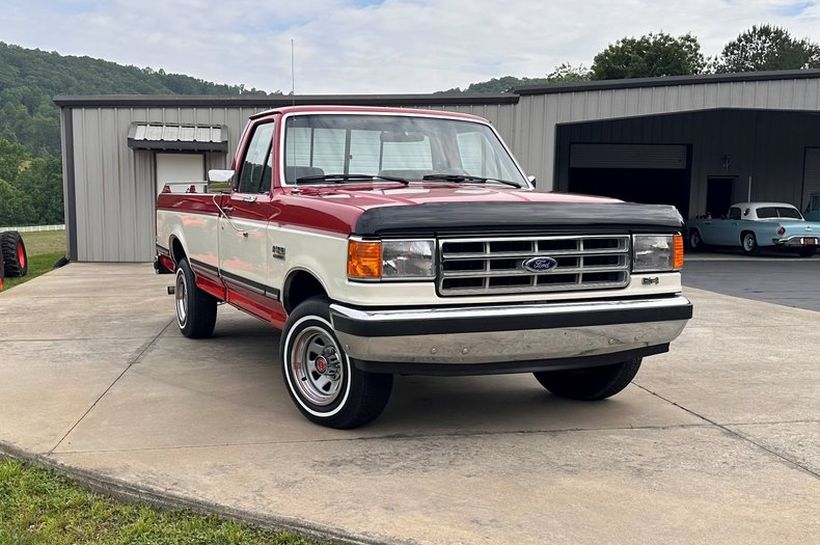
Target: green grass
[
  {"x": 44, "y": 249},
  {"x": 38, "y": 507},
  {"x": 44, "y": 242}
]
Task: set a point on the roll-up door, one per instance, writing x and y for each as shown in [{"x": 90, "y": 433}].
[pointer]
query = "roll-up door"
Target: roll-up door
[
  {"x": 666, "y": 156},
  {"x": 657, "y": 173}
]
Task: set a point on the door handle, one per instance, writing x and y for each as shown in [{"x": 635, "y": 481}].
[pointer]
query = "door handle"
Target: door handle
[{"x": 249, "y": 198}]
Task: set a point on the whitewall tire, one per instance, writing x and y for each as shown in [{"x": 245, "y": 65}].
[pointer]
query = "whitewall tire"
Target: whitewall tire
[
  {"x": 323, "y": 383},
  {"x": 195, "y": 309}
]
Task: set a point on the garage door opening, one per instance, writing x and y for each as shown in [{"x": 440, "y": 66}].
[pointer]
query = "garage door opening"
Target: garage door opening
[
  {"x": 650, "y": 186},
  {"x": 645, "y": 173}
]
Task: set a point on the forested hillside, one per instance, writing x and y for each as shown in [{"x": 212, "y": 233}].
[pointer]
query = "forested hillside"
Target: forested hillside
[{"x": 30, "y": 176}]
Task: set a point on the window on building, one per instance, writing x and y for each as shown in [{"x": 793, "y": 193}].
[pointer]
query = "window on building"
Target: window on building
[{"x": 255, "y": 173}]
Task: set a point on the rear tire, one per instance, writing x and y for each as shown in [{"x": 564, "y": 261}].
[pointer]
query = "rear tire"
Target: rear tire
[
  {"x": 748, "y": 241},
  {"x": 807, "y": 252},
  {"x": 592, "y": 383},
  {"x": 195, "y": 308},
  {"x": 14, "y": 253},
  {"x": 321, "y": 380}
]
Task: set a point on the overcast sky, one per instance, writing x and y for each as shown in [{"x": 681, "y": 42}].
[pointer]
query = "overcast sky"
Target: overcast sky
[{"x": 371, "y": 46}]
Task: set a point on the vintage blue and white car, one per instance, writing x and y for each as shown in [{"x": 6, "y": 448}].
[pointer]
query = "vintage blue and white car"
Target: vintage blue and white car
[{"x": 754, "y": 226}]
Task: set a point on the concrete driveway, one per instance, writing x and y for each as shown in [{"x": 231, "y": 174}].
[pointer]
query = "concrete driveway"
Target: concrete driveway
[
  {"x": 783, "y": 279},
  {"x": 716, "y": 442}
]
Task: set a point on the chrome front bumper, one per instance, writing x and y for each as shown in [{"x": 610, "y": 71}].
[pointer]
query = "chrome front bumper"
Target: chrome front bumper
[{"x": 598, "y": 332}]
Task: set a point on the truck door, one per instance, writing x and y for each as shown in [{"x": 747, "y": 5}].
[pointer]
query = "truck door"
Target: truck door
[{"x": 243, "y": 253}]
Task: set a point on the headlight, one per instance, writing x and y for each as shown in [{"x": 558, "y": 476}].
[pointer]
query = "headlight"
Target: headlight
[
  {"x": 657, "y": 253},
  {"x": 391, "y": 260},
  {"x": 408, "y": 259}
]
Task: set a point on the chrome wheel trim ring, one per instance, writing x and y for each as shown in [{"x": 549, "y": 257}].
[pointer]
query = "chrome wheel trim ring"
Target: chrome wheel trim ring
[
  {"x": 316, "y": 368},
  {"x": 181, "y": 298}
]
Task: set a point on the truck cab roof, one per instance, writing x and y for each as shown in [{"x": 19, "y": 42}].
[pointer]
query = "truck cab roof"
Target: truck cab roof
[{"x": 317, "y": 109}]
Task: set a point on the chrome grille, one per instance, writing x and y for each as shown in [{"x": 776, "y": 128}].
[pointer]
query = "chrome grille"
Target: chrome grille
[{"x": 479, "y": 266}]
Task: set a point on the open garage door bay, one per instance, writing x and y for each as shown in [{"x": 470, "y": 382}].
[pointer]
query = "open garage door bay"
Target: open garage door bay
[{"x": 648, "y": 173}]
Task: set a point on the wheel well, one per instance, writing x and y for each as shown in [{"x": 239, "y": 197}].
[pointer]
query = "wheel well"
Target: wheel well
[
  {"x": 177, "y": 251},
  {"x": 745, "y": 232},
  {"x": 300, "y": 286}
]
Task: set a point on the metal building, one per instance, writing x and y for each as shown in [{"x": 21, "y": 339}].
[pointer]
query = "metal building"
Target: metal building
[{"x": 698, "y": 142}]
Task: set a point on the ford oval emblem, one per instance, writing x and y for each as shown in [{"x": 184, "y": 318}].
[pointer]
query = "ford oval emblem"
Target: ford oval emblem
[{"x": 540, "y": 264}]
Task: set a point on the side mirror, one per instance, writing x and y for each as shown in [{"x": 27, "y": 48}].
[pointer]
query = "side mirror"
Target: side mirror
[
  {"x": 220, "y": 181},
  {"x": 531, "y": 179}
]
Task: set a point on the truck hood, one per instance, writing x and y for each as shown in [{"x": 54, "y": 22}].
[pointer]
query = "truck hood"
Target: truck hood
[{"x": 436, "y": 209}]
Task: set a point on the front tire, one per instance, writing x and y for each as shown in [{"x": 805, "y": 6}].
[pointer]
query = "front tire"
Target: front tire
[
  {"x": 14, "y": 255},
  {"x": 592, "y": 383},
  {"x": 321, "y": 380},
  {"x": 748, "y": 241},
  {"x": 195, "y": 309}
]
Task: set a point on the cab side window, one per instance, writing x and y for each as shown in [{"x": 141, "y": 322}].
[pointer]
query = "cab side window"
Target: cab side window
[
  {"x": 255, "y": 173},
  {"x": 734, "y": 213}
]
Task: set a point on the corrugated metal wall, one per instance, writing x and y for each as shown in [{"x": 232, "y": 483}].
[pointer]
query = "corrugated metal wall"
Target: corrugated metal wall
[
  {"x": 114, "y": 185},
  {"x": 538, "y": 115}
]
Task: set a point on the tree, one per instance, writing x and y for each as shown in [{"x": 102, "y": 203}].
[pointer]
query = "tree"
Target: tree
[
  {"x": 503, "y": 84},
  {"x": 566, "y": 73},
  {"x": 31, "y": 188},
  {"x": 767, "y": 47},
  {"x": 651, "y": 55}
]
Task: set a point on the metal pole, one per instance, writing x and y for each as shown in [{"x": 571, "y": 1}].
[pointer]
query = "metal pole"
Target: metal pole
[
  {"x": 292, "y": 73},
  {"x": 749, "y": 196}
]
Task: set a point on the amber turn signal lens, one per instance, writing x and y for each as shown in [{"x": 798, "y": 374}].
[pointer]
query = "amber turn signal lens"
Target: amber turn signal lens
[
  {"x": 678, "y": 252},
  {"x": 364, "y": 260}
]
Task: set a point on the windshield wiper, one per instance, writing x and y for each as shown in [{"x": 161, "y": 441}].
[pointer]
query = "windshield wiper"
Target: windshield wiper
[
  {"x": 342, "y": 178},
  {"x": 468, "y": 178}
]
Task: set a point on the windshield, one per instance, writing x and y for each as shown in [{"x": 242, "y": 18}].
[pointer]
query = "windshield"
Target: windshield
[
  {"x": 774, "y": 212},
  {"x": 393, "y": 146}
]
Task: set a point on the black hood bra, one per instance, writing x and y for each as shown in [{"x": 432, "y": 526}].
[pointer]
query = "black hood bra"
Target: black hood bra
[{"x": 509, "y": 218}]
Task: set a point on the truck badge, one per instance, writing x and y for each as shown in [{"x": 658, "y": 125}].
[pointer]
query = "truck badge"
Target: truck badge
[
  {"x": 278, "y": 252},
  {"x": 540, "y": 264}
]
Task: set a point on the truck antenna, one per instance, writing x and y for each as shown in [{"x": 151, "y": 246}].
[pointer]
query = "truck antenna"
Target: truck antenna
[{"x": 292, "y": 73}]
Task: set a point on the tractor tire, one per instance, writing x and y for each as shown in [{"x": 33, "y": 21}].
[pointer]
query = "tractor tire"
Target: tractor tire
[{"x": 14, "y": 253}]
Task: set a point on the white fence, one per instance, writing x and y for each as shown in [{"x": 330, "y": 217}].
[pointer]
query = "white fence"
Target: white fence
[{"x": 34, "y": 228}]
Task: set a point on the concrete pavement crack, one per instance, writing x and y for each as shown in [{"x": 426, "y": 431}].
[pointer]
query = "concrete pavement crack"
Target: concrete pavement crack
[
  {"x": 137, "y": 357},
  {"x": 785, "y": 459}
]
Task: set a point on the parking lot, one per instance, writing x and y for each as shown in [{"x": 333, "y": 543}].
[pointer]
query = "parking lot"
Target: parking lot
[{"x": 715, "y": 442}]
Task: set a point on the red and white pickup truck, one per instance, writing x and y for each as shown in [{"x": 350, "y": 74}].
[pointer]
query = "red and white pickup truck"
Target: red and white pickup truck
[{"x": 395, "y": 241}]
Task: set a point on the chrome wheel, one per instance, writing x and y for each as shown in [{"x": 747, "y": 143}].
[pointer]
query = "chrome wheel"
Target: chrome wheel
[
  {"x": 749, "y": 242},
  {"x": 316, "y": 367},
  {"x": 181, "y": 294}
]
